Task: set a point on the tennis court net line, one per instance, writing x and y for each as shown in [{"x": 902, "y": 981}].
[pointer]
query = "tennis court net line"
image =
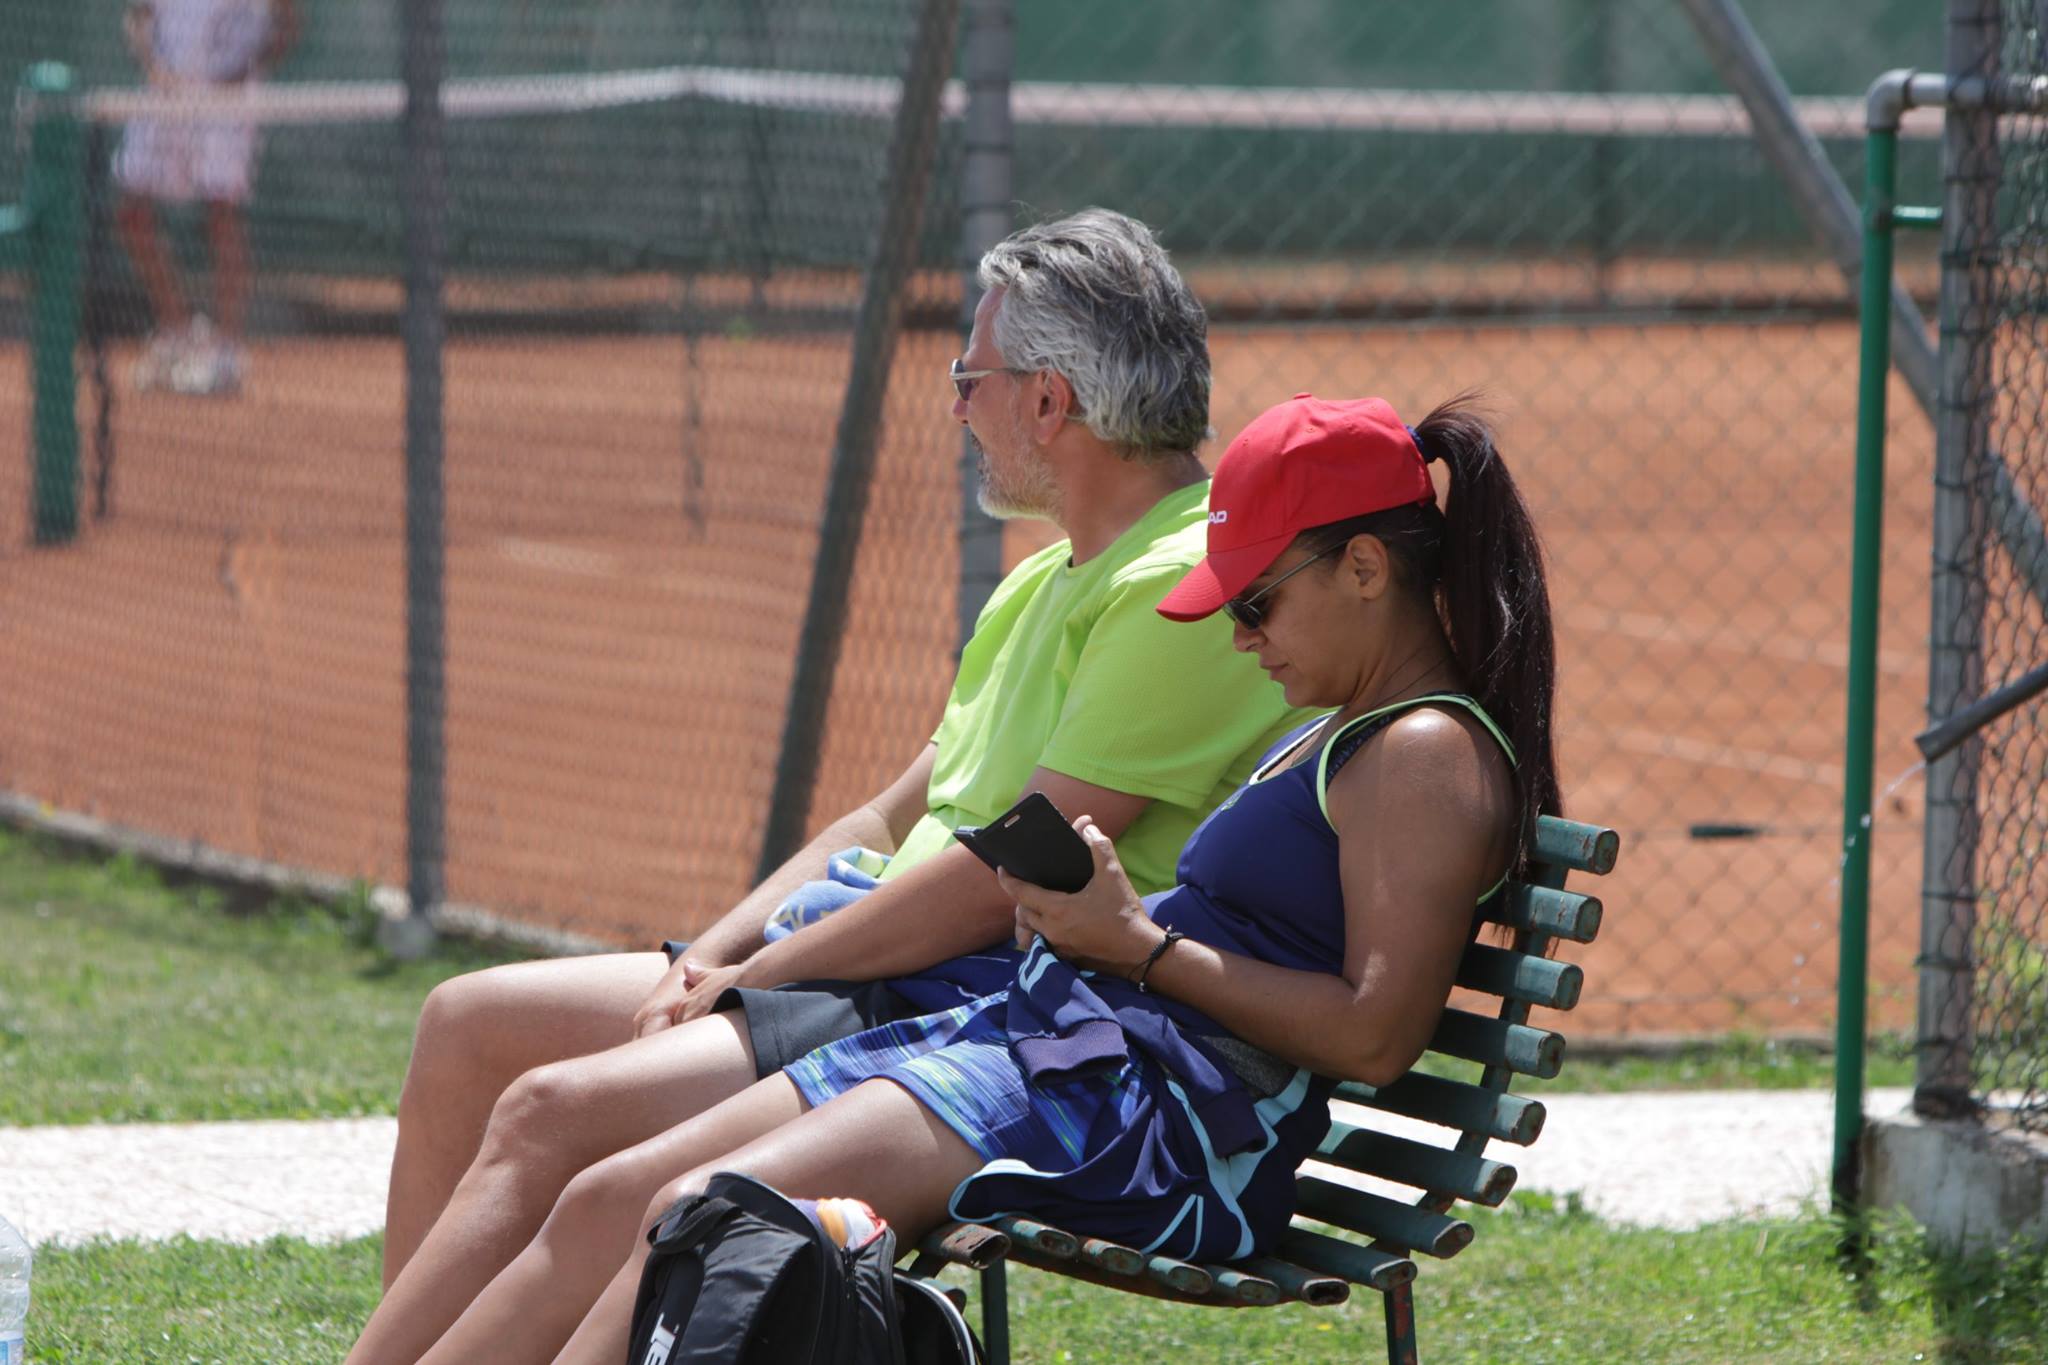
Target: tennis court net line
[{"x": 1291, "y": 108}]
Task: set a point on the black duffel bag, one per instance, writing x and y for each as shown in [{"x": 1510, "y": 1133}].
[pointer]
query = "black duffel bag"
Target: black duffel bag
[{"x": 740, "y": 1276}]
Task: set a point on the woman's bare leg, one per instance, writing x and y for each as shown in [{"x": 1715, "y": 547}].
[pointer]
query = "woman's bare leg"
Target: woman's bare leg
[
  {"x": 477, "y": 1034},
  {"x": 531, "y": 1307},
  {"x": 875, "y": 1142},
  {"x": 548, "y": 1125}
]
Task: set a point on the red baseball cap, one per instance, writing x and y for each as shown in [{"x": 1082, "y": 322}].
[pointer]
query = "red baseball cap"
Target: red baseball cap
[{"x": 1306, "y": 462}]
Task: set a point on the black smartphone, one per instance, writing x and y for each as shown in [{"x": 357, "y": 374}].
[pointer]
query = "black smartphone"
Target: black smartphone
[{"x": 1034, "y": 843}]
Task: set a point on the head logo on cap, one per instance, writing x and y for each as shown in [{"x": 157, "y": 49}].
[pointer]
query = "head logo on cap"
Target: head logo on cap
[{"x": 1303, "y": 463}]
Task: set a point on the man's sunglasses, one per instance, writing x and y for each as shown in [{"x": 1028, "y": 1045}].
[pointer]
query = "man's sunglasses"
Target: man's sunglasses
[
  {"x": 1247, "y": 612},
  {"x": 965, "y": 380}
]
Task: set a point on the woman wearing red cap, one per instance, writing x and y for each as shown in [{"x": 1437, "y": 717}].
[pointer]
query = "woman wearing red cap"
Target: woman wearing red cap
[{"x": 1161, "y": 1065}]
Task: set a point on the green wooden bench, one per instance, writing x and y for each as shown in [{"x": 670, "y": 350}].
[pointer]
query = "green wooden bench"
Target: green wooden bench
[{"x": 1311, "y": 1266}]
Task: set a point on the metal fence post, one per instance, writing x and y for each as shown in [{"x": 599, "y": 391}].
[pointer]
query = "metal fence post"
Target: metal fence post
[
  {"x": 55, "y": 210},
  {"x": 911, "y": 148},
  {"x": 1955, "y": 661},
  {"x": 1873, "y": 375},
  {"x": 423, "y": 189},
  {"x": 988, "y": 145}
]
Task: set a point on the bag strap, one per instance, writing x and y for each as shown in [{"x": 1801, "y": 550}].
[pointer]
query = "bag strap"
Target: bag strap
[
  {"x": 934, "y": 1332},
  {"x": 689, "y": 1221}
]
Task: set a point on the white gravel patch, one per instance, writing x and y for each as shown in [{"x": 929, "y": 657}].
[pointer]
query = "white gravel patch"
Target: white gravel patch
[
  {"x": 231, "y": 1182},
  {"x": 1664, "y": 1159},
  {"x": 1680, "y": 1160},
  {"x": 1674, "y": 1159}
]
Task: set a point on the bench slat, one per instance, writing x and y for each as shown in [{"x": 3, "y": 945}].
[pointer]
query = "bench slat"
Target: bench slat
[
  {"x": 1546, "y": 910},
  {"x": 968, "y": 1244},
  {"x": 1582, "y": 848},
  {"x": 1180, "y": 1277},
  {"x": 1519, "y": 976},
  {"x": 1408, "y": 1162},
  {"x": 1495, "y": 1042},
  {"x": 1061, "y": 1246},
  {"x": 1117, "y": 1260},
  {"x": 1453, "y": 1104},
  {"x": 1242, "y": 1286},
  {"x": 1299, "y": 1284},
  {"x": 1381, "y": 1270},
  {"x": 1381, "y": 1218}
]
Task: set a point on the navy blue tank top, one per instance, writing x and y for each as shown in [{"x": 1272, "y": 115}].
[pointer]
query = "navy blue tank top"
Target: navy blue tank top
[{"x": 1261, "y": 875}]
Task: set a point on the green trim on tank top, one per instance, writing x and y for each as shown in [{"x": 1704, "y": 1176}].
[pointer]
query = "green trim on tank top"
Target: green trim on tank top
[
  {"x": 1455, "y": 699},
  {"x": 1278, "y": 764}
]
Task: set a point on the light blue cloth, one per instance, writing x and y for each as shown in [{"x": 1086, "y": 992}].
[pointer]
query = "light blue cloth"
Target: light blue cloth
[{"x": 849, "y": 874}]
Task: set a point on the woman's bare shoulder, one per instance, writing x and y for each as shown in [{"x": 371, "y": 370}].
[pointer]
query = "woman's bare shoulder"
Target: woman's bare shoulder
[{"x": 1438, "y": 757}]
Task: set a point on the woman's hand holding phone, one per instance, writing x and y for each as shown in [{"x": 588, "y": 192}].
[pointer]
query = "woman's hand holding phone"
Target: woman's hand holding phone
[{"x": 1101, "y": 927}]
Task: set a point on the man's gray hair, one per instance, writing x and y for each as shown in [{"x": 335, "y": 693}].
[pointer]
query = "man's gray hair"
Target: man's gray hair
[{"x": 1094, "y": 298}]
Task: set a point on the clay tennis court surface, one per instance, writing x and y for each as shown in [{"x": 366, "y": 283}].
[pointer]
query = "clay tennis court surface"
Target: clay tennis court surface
[{"x": 630, "y": 528}]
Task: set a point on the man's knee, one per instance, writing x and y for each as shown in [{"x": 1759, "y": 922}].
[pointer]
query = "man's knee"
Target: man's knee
[
  {"x": 451, "y": 1047},
  {"x": 449, "y": 1016},
  {"x": 535, "y": 1114}
]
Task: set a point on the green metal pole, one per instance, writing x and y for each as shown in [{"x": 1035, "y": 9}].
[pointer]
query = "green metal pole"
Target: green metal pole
[
  {"x": 1873, "y": 373},
  {"x": 56, "y": 248}
]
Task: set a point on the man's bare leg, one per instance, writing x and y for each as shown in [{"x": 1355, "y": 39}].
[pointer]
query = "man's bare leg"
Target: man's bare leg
[
  {"x": 478, "y": 1034},
  {"x": 548, "y": 1125}
]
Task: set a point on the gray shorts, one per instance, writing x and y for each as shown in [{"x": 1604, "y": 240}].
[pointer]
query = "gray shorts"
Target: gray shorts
[{"x": 787, "y": 1022}]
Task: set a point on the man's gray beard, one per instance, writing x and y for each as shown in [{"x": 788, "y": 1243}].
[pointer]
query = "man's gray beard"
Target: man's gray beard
[{"x": 984, "y": 495}]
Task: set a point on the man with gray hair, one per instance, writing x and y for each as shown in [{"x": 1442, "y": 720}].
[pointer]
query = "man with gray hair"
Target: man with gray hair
[{"x": 1085, "y": 387}]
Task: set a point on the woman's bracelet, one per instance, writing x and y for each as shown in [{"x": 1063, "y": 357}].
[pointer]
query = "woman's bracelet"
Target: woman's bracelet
[{"x": 1173, "y": 936}]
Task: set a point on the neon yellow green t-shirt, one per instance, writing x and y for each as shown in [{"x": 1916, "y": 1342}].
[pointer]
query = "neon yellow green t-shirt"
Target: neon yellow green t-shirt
[{"x": 1070, "y": 668}]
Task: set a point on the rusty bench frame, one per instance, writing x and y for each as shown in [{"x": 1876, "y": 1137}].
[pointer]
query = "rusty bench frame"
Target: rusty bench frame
[{"x": 1314, "y": 1267}]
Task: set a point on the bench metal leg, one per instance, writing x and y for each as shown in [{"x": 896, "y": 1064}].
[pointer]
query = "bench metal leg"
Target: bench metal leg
[
  {"x": 995, "y": 1314},
  {"x": 1400, "y": 1305}
]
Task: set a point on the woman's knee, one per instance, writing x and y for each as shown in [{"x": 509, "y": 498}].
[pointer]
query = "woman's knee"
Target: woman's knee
[
  {"x": 606, "y": 1203},
  {"x": 670, "y": 1193}
]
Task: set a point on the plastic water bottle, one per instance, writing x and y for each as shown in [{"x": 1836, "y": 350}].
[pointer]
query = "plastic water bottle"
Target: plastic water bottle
[{"x": 15, "y": 1257}]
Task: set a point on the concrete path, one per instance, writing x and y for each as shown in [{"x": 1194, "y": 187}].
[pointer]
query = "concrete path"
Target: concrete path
[{"x": 1662, "y": 1159}]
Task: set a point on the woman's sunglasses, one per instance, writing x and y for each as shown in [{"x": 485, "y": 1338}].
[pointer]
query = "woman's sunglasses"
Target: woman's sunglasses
[{"x": 1247, "y": 612}]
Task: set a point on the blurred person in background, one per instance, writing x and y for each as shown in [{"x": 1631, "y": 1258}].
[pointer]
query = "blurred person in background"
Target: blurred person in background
[{"x": 187, "y": 47}]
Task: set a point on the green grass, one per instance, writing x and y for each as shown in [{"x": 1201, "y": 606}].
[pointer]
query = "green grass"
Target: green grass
[
  {"x": 1732, "y": 1062},
  {"x": 122, "y": 999},
  {"x": 186, "y": 1302},
  {"x": 1544, "y": 1283}
]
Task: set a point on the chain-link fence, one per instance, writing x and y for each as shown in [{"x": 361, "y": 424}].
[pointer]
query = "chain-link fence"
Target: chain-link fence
[
  {"x": 1983, "y": 1026},
  {"x": 653, "y": 289},
  {"x": 652, "y": 283}
]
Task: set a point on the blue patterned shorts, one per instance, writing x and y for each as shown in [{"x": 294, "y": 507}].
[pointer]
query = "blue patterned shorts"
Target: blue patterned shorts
[{"x": 958, "y": 1064}]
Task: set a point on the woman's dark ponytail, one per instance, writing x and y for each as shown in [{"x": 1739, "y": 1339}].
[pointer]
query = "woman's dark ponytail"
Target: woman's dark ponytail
[
  {"x": 1480, "y": 558},
  {"x": 1495, "y": 604}
]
